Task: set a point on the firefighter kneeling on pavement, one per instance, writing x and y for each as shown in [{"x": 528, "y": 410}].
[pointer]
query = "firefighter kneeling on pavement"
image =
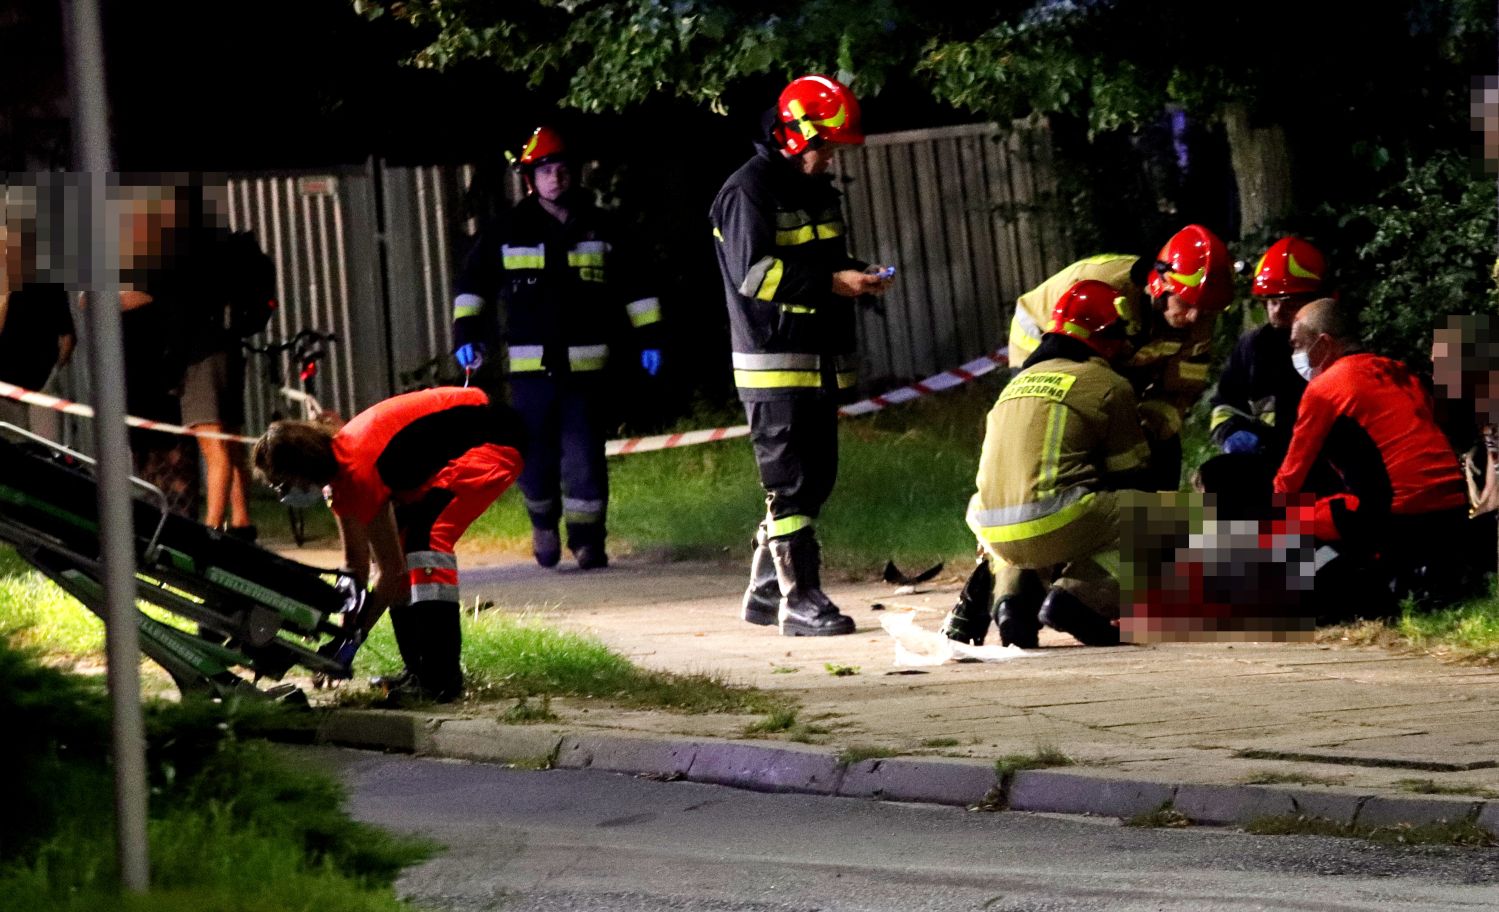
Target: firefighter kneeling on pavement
[{"x": 1060, "y": 443}]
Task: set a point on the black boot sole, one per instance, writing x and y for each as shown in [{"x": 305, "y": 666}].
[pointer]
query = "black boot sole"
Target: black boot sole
[
  {"x": 793, "y": 629},
  {"x": 758, "y": 617}
]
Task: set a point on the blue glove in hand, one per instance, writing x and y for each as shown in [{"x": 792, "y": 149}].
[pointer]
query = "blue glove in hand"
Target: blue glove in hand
[
  {"x": 1242, "y": 442},
  {"x": 470, "y": 356},
  {"x": 650, "y": 360}
]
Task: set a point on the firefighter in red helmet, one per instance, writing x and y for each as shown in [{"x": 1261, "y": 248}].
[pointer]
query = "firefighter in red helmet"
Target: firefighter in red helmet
[
  {"x": 789, "y": 282},
  {"x": 1174, "y": 300},
  {"x": 1060, "y": 443},
  {"x": 566, "y": 283},
  {"x": 1254, "y": 407}
]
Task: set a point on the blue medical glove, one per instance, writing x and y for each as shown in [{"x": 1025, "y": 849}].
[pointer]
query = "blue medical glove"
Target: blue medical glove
[
  {"x": 650, "y": 360},
  {"x": 470, "y": 355},
  {"x": 1242, "y": 442}
]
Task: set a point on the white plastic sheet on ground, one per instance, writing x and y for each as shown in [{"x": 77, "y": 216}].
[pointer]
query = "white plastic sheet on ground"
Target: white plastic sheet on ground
[{"x": 916, "y": 647}]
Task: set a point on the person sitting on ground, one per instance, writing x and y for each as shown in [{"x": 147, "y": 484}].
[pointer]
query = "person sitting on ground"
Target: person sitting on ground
[
  {"x": 406, "y": 477},
  {"x": 1394, "y": 530},
  {"x": 1063, "y": 438}
]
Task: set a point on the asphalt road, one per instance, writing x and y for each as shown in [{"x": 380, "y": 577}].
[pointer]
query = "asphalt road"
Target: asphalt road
[{"x": 563, "y": 840}]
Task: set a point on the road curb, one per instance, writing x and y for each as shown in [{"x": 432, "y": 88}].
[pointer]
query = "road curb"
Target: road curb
[{"x": 769, "y": 766}]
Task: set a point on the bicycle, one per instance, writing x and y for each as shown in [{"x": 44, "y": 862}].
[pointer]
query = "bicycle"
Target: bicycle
[{"x": 306, "y": 349}]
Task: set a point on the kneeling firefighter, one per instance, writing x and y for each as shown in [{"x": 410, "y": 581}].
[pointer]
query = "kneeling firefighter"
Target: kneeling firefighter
[{"x": 1062, "y": 439}]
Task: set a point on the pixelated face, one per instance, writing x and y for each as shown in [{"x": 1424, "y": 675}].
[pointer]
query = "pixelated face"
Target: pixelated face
[
  {"x": 1461, "y": 367},
  {"x": 552, "y": 179},
  {"x": 816, "y": 161},
  {"x": 1178, "y": 314}
]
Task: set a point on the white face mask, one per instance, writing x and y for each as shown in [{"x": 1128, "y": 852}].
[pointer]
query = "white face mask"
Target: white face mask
[
  {"x": 1302, "y": 361},
  {"x": 302, "y": 498}
]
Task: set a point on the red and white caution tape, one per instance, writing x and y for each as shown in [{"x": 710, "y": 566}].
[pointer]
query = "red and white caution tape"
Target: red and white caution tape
[
  {"x": 77, "y": 408},
  {"x": 934, "y": 384}
]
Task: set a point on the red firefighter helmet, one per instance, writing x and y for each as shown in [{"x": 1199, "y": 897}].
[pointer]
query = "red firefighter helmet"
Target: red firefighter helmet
[
  {"x": 544, "y": 145},
  {"x": 1290, "y": 267},
  {"x": 814, "y": 110},
  {"x": 1095, "y": 314},
  {"x": 1193, "y": 265}
]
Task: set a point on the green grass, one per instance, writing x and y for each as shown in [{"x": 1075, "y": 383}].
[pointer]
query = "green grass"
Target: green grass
[
  {"x": 778, "y": 720},
  {"x": 841, "y": 671},
  {"x": 1044, "y": 757},
  {"x": 527, "y": 713},
  {"x": 857, "y": 752},
  {"x": 509, "y": 657},
  {"x": 1459, "y": 833},
  {"x": 1467, "y": 631},
  {"x": 1432, "y": 787},
  {"x": 941, "y": 742},
  {"x": 234, "y": 824},
  {"x": 1272, "y": 777},
  {"x": 904, "y": 479}
]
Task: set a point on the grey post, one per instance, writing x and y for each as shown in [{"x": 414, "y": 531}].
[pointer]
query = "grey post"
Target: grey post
[{"x": 91, "y": 153}]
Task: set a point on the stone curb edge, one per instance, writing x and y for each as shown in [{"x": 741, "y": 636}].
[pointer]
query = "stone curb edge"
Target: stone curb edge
[{"x": 795, "y": 768}]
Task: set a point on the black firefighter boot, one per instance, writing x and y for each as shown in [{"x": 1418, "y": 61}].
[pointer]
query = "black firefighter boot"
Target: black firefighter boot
[
  {"x": 804, "y": 609},
  {"x": 410, "y": 643},
  {"x": 1066, "y": 612},
  {"x": 968, "y": 621},
  {"x": 762, "y": 598},
  {"x": 1016, "y": 615},
  {"x": 442, "y": 668}
]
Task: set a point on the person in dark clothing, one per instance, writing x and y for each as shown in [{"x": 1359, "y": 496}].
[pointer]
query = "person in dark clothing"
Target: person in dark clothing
[
  {"x": 37, "y": 334},
  {"x": 406, "y": 477},
  {"x": 790, "y": 285},
  {"x": 567, "y": 293}
]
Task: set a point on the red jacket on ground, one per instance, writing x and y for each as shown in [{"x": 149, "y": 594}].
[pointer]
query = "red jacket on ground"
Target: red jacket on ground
[{"x": 1372, "y": 418}]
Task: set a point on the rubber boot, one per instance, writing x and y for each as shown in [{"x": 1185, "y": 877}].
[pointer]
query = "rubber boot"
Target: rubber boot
[
  {"x": 546, "y": 545},
  {"x": 1065, "y": 612},
  {"x": 591, "y": 556},
  {"x": 409, "y": 642},
  {"x": 248, "y": 534},
  {"x": 762, "y": 598},
  {"x": 968, "y": 621},
  {"x": 804, "y": 610},
  {"x": 1017, "y": 622},
  {"x": 442, "y": 667}
]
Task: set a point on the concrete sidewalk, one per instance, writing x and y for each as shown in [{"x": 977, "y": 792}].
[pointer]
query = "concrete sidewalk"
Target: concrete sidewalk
[{"x": 1341, "y": 727}]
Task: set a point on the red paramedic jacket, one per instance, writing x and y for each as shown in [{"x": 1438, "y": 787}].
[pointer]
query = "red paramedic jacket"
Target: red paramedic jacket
[
  {"x": 1373, "y": 420},
  {"x": 395, "y": 448}
]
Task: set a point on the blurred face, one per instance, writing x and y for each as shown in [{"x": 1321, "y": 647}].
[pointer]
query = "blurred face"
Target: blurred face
[
  {"x": 816, "y": 161},
  {"x": 552, "y": 180},
  {"x": 1178, "y": 314},
  {"x": 1282, "y": 309}
]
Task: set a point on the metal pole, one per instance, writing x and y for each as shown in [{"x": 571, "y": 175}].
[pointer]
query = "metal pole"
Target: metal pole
[{"x": 85, "y": 47}]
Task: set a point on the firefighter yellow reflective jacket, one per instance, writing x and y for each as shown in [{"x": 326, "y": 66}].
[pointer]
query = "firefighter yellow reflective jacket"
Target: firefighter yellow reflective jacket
[{"x": 1061, "y": 431}]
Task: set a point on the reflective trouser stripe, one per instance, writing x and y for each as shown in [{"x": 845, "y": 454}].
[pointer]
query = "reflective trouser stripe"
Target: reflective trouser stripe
[
  {"x": 433, "y": 575},
  {"x": 644, "y": 312},
  {"x": 467, "y": 305},
  {"x": 1035, "y": 527},
  {"x": 1051, "y": 450},
  {"x": 847, "y": 379},
  {"x": 1007, "y": 516},
  {"x": 582, "y": 512},
  {"x": 543, "y": 508},
  {"x": 523, "y": 257},
  {"x": 434, "y": 592},
  {"x": 431, "y": 560},
  {"x": 776, "y": 528},
  {"x": 525, "y": 358},
  {"x": 775, "y": 361}
]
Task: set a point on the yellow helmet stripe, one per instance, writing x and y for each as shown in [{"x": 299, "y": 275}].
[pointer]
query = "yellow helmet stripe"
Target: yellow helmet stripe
[{"x": 1191, "y": 280}]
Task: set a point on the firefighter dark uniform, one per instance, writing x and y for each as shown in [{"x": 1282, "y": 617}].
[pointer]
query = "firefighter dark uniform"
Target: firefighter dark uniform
[
  {"x": 780, "y": 239},
  {"x": 1406, "y": 504},
  {"x": 566, "y": 301},
  {"x": 1259, "y": 392},
  {"x": 440, "y": 457}
]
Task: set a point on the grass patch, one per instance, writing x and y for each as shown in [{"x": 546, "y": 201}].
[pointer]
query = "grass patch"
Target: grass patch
[
  {"x": 778, "y": 720},
  {"x": 784, "y": 670},
  {"x": 234, "y": 824},
  {"x": 857, "y": 752},
  {"x": 1467, "y": 631},
  {"x": 1165, "y": 816},
  {"x": 539, "y": 762},
  {"x": 1043, "y": 758},
  {"x": 803, "y": 733},
  {"x": 941, "y": 742},
  {"x": 841, "y": 671},
  {"x": 916, "y": 461},
  {"x": 1459, "y": 833},
  {"x": 526, "y": 713},
  {"x": 1272, "y": 777},
  {"x": 505, "y": 657},
  {"x": 1432, "y": 787}
]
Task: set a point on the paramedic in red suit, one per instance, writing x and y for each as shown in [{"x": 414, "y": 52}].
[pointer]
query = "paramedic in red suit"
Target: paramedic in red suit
[
  {"x": 405, "y": 478},
  {"x": 1405, "y": 510}
]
